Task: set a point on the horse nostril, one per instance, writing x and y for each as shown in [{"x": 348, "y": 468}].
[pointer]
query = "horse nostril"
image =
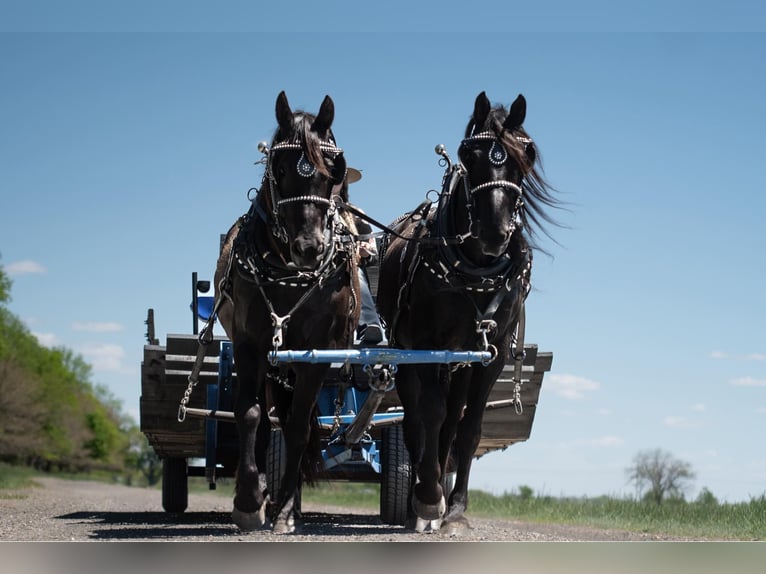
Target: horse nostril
[{"x": 320, "y": 248}]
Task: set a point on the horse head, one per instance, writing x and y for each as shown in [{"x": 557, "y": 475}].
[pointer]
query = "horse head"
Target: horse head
[
  {"x": 305, "y": 170},
  {"x": 496, "y": 155}
]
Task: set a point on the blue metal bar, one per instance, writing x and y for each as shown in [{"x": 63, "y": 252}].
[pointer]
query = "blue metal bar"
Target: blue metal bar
[
  {"x": 329, "y": 420},
  {"x": 381, "y": 356}
]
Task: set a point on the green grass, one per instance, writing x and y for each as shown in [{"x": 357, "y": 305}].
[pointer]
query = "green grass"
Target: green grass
[
  {"x": 354, "y": 494},
  {"x": 741, "y": 521},
  {"x": 15, "y": 478},
  {"x": 677, "y": 518}
]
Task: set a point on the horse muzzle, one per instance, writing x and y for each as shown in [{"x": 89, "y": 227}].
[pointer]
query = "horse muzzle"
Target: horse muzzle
[{"x": 306, "y": 252}]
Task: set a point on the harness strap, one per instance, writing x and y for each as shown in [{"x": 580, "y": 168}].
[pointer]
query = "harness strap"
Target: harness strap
[
  {"x": 518, "y": 357},
  {"x": 422, "y": 210}
]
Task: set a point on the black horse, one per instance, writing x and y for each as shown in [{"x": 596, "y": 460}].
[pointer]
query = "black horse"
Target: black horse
[
  {"x": 458, "y": 281},
  {"x": 288, "y": 277}
]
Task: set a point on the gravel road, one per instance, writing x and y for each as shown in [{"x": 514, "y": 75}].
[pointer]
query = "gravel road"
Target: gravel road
[{"x": 64, "y": 510}]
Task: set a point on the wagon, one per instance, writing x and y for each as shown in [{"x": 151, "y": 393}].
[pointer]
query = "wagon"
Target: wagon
[{"x": 359, "y": 414}]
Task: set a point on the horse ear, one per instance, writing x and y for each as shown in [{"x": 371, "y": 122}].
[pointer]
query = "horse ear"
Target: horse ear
[
  {"x": 481, "y": 110},
  {"x": 325, "y": 116},
  {"x": 284, "y": 113},
  {"x": 517, "y": 114}
]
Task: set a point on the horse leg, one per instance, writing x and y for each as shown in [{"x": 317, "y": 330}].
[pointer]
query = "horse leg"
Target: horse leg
[
  {"x": 456, "y": 399},
  {"x": 408, "y": 390},
  {"x": 466, "y": 441},
  {"x": 428, "y": 495},
  {"x": 249, "y": 511},
  {"x": 297, "y": 433}
]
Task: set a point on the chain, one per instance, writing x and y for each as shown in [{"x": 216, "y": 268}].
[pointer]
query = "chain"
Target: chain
[
  {"x": 518, "y": 357},
  {"x": 185, "y": 400},
  {"x": 517, "y": 405},
  {"x": 205, "y": 338},
  {"x": 339, "y": 402}
]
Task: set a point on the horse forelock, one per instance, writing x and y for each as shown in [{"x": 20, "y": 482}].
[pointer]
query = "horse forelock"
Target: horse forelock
[
  {"x": 538, "y": 193},
  {"x": 301, "y": 133}
]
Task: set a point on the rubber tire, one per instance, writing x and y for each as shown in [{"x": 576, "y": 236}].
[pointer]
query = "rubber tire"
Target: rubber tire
[
  {"x": 395, "y": 476},
  {"x": 275, "y": 468},
  {"x": 175, "y": 485}
]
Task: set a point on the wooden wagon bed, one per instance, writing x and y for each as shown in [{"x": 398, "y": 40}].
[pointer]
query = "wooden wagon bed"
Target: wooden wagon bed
[{"x": 166, "y": 368}]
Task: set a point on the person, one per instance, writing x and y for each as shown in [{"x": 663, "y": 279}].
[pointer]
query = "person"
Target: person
[{"x": 369, "y": 330}]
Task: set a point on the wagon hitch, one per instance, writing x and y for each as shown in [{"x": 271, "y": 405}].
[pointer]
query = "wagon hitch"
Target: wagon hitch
[{"x": 379, "y": 384}]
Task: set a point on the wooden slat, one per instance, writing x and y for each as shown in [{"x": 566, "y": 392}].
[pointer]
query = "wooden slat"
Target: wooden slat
[
  {"x": 186, "y": 344},
  {"x": 165, "y": 372},
  {"x": 503, "y": 427}
]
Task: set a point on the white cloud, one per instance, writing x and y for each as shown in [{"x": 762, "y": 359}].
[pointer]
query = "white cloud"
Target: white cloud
[
  {"x": 748, "y": 382},
  {"x": 698, "y": 408},
  {"x": 604, "y": 412},
  {"x": 95, "y": 327},
  {"x": 24, "y": 268},
  {"x": 748, "y": 357},
  {"x": 570, "y": 386},
  {"x": 677, "y": 422},
  {"x": 46, "y": 339},
  {"x": 607, "y": 441},
  {"x": 104, "y": 357}
]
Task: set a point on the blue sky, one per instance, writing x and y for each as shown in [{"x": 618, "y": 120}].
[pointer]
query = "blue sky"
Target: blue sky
[{"x": 126, "y": 150}]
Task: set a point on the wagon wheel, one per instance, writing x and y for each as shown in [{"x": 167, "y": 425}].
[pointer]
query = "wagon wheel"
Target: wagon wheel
[
  {"x": 175, "y": 485},
  {"x": 275, "y": 468},
  {"x": 395, "y": 476}
]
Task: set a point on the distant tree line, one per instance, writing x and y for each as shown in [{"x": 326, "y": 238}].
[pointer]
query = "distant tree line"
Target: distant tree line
[{"x": 52, "y": 415}]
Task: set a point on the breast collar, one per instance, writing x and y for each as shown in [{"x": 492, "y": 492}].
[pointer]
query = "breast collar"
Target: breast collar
[
  {"x": 447, "y": 262},
  {"x": 264, "y": 264}
]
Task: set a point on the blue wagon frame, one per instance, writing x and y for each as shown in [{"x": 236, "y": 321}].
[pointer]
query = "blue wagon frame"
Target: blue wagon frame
[{"x": 362, "y": 436}]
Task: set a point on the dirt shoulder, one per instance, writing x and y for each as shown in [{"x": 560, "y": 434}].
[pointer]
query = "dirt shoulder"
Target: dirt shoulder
[{"x": 64, "y": 510}]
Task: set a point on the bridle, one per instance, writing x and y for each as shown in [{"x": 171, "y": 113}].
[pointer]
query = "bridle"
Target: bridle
[
  {"x": 497, "y": 156},
  {"x": 254, "y": 266},
  {"x": 305, "y": 169}
]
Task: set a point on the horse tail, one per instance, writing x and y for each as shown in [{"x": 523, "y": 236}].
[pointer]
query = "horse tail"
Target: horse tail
[{"x": 312, "y": 462}]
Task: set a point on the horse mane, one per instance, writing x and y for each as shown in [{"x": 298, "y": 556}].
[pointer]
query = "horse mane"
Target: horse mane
[
  {"x": 302, "y": 133},
  {"x": 538, "y": 192}
]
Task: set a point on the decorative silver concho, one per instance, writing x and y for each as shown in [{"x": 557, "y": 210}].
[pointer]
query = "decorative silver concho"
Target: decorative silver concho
[
  {"x": 305, "y": 167},
  {"x": 497, "y": 153}
]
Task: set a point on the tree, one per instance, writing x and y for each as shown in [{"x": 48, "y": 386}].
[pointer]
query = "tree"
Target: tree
[
  {"x": 5, "y": 287},
  {"x": 659, "y": 475},
  {"x": 706, "y": 498}
]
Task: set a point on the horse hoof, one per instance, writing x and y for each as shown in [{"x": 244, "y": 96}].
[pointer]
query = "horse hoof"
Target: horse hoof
[
  {"x": 429, "y": 511},
  {"x": 284, "y": 526},
  {"x": 454, "y": 528},
  {"x": 249, "y": 521},
  {"x": 423, "y": 525}
]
